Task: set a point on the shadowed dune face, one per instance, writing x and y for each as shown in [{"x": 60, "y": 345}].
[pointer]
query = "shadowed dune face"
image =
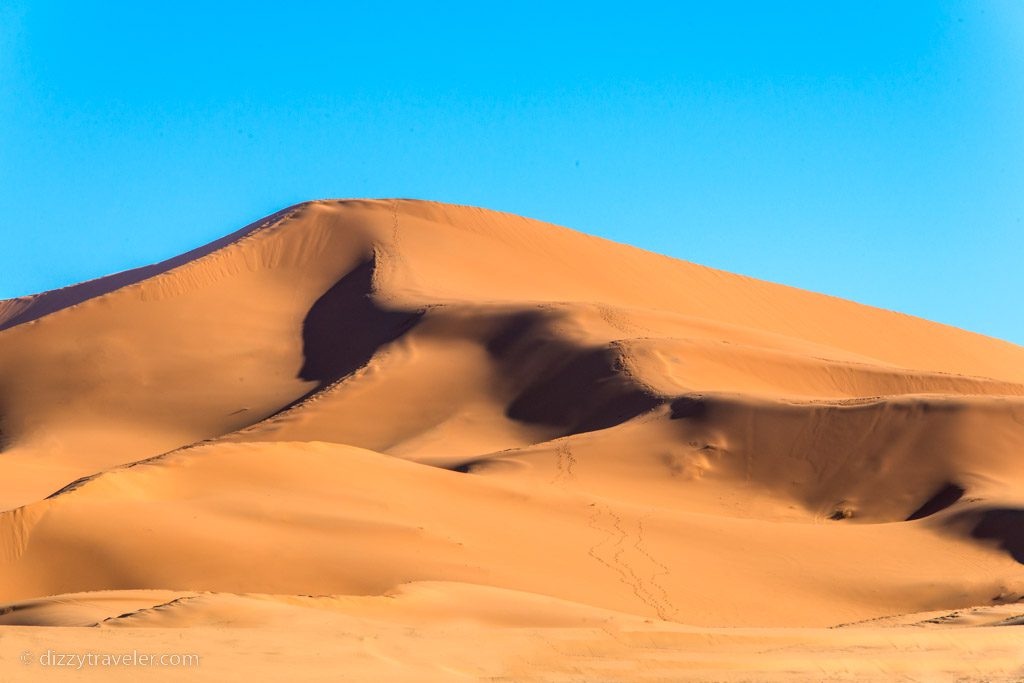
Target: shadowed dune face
[
  {"x": 881, "y": 460},
  {"x": 586, "y": 393},
  {"x": 364, "y": 394},
  {"x": 344, "y": 328},
  {"x": 1005, "y": 526},
  {"x": 943, "y": 498},
  {"x": 689, "y": 408},
  {"x": 566, "y": 385}
]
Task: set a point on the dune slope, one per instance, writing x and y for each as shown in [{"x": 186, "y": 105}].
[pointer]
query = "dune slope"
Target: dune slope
[{"x": 353, "y": 398}]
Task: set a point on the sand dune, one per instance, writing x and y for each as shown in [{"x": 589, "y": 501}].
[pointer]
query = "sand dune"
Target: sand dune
[{"x": 427, "y": 426}]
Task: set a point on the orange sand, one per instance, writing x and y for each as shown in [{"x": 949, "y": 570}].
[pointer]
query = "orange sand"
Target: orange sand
[{"x": 400, "y": 440}]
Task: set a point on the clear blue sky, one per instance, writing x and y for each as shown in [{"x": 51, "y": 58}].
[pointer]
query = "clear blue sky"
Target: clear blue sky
[{"x": 873, "y": 151}]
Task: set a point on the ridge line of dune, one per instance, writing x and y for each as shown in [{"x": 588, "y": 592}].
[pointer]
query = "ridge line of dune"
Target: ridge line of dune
[
  {"x": 296, "y": 405},
  {"x": 174, "y": 602},
  {"x": 20, "y": 315},
  {"x": 680, "y": 260}
]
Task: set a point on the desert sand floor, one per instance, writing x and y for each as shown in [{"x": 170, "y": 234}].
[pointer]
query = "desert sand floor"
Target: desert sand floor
[{"x": 400, "y": 440}]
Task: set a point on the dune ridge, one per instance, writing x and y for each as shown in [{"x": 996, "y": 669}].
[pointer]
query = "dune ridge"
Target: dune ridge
[{"x": 350, "y": 397}]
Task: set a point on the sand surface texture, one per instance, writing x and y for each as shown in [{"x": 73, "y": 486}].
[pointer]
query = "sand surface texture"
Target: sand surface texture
[{"x": 400, "y": 440}]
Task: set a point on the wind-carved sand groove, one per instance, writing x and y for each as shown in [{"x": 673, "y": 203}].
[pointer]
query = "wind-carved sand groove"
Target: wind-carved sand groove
[{"x": 519, "y": 425}]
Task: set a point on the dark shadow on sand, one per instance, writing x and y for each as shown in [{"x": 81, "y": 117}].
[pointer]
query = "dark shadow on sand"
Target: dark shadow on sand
[
  {"x": 344, "y": 328},
  {"x": 943, "y": 498},
  {"x": 1005, "y": 525}
]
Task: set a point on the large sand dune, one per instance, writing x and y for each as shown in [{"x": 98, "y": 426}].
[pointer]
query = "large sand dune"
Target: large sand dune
[{"x": 430, "y": 442}]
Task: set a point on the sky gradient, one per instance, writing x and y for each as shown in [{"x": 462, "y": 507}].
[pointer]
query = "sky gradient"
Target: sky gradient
[{"x": 873, "y": 151}]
